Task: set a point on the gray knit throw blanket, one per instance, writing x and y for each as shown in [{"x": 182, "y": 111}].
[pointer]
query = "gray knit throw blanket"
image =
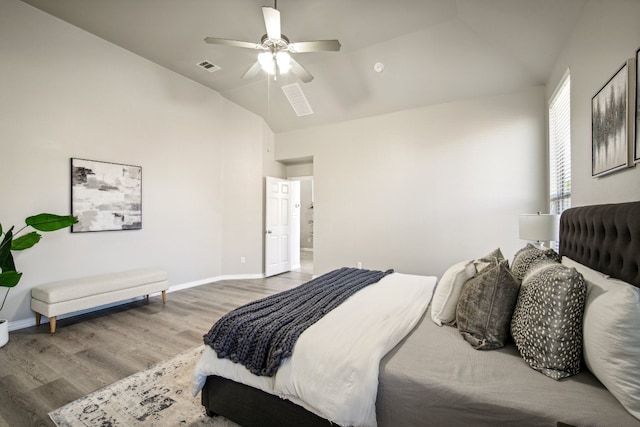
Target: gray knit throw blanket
[{"x": 261, "y": 334}]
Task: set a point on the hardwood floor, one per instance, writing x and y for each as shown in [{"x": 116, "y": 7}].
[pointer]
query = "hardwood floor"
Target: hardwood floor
[{"x": 40, "y": 372}]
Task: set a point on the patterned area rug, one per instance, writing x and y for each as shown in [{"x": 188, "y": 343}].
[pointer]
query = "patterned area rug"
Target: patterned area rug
[{"x": 158, "y": 396}]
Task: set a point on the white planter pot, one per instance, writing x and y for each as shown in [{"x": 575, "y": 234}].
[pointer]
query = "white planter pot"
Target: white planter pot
[{"x": 4, "y": 332}]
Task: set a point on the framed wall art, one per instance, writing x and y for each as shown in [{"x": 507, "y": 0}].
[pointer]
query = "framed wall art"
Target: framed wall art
[
  {"x": 636, "y": 145},
  {"x": 105, "y": 196},
  {"x": 611, "y": 129}
]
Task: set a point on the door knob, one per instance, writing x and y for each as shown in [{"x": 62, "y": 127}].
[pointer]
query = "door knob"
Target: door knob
[{"x": 268, "y": 231}]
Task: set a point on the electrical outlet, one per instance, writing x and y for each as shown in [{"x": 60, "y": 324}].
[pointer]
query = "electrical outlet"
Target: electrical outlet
[
  {"x": 359, "y": 264},
  {"x": 242, "y": 260}
]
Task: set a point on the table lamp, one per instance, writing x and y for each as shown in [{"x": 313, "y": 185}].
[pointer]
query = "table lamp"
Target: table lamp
[{"x": 539, "y": 228}]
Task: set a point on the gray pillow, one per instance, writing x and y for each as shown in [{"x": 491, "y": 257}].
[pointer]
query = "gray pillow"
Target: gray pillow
[
  {"x": 528, "y": 257},
  {"x": 547, "y": 321},
  {"x": 491, "y": 258},
  {"x": 485, "y": 307}
]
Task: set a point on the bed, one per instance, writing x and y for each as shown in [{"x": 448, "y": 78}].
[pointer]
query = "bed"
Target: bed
[{"x": 434, "y": 377}]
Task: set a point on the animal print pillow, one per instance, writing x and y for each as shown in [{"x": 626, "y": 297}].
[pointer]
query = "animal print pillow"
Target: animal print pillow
[
  {"x": 547, "y": 320},
  {"x": 529, "y": 256}
]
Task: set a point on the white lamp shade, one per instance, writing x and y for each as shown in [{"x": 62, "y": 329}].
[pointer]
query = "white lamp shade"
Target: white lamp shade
[{"x": 539, "y": 227}]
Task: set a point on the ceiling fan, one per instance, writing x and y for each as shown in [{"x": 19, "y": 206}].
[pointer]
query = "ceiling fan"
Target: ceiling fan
[{"x": 275, "y": 57}]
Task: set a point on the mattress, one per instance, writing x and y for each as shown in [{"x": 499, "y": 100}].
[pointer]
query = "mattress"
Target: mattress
[
  {"x": 434, "y": 376},
  {"x": 333, "y": 370}
]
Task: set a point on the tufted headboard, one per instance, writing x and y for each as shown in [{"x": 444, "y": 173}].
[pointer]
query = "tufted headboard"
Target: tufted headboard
[{"x": 605, "y": 238}]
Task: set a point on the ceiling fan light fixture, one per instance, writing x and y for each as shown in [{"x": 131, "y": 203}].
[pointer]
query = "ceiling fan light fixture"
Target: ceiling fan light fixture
[
  {"x": 275, "y": 47},
  {"x": 283, "y": 59},
  {"x": 267, "y": 62}
]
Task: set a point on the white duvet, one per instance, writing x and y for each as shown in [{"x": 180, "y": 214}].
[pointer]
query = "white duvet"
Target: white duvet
[{"x": 333, "y": 370}]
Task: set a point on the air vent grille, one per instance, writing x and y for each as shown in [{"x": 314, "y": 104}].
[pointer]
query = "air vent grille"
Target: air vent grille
[
  {"x": 297, "y": 99},
  {"x": 208, "y": 66}
]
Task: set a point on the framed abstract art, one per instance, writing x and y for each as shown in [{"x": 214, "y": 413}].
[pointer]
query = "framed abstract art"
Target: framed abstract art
[
  {"x": 636, "y": 145},
  {"x": 105, "y": 196},
  {"x": 612, "y": 122}
]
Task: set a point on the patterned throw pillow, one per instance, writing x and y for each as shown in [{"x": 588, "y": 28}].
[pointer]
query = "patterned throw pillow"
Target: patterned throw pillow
[
  {"x": 529, "y": 256},
  {"x": 485, "y": 307},
  {"x": 547, "y": 321}
]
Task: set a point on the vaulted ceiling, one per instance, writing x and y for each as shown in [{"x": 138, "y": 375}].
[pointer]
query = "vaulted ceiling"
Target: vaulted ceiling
[{"x": 433, "y": 51}]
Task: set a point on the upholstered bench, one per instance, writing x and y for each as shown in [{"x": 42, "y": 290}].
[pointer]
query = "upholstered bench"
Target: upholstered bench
[{"x": 66, "y": 296}]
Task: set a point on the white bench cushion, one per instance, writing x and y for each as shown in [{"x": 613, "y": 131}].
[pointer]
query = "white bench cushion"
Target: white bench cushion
[{"x": 77, "y": 289}]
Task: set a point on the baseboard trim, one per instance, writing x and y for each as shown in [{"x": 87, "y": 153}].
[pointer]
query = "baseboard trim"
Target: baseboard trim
[{"x": 27, "y": 323}]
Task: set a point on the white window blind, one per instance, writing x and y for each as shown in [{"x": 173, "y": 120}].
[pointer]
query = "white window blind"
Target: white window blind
[{"x": 560, "y": 147}]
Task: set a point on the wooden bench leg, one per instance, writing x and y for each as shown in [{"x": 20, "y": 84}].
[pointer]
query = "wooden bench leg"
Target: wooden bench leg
[
  {"x": 38, "y": 319},
  {"x": 164, "y": 297},
  {"x": 52, "y": 324}
]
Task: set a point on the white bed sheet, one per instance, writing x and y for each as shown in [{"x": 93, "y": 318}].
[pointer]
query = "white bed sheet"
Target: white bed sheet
[{"x": 333, "y": 370}]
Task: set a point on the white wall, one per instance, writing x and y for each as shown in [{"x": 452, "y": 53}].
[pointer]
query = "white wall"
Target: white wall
[
  {"x": 66, "y": 93},
  {"x": 245, "y": 164},
  {"x": 421, "y": 189},
  {"x": 605, "y": 36}
]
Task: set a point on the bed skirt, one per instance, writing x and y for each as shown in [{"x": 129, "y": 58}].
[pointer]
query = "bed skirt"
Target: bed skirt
[{"x": 251, "y": 407}]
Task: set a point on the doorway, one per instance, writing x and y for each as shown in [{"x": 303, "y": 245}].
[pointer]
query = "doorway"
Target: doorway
[{"x": 306, "y": 234}]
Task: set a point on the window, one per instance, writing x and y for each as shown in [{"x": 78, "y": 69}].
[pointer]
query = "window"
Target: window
[{"x": 560, "y": 147}]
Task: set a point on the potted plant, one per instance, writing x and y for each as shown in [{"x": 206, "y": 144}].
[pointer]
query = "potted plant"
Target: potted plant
[{"x": 9, "y": 276}]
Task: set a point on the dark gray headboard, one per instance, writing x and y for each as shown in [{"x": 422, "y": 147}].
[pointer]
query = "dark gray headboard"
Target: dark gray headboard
[{"x": 605, "y": 238}]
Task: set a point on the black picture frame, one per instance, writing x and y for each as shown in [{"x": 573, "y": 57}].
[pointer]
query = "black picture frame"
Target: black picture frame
[
  {"x": 610, "y": 130},
  {"x": 105, "y": 196},
  {"x": 636, "y": 145}
]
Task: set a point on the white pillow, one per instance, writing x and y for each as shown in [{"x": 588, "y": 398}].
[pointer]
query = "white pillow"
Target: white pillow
[
  {"x": 611, "y": 325},
  {"x": 445, "y": 297}
]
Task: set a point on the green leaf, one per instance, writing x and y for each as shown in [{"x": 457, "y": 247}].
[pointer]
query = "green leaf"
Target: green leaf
[
  {"x": 0, "y": 229},
  {"x": 6, "y": 259},
  {"x": 50, "y": 222},
  {"x": 25, "y": 242},
  {"x": 9, "y": 279}
]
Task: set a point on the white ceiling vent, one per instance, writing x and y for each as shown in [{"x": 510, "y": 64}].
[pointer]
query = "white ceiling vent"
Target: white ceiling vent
[
  {"x": 208, "y": 66},
  {"x": 297, "y": 99}
]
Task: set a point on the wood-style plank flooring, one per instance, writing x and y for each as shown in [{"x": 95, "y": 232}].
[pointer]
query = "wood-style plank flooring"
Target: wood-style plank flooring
[{"x": 40, "y": 372}]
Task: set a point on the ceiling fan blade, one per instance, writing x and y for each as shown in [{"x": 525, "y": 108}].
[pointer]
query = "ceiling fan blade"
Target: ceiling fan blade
[
  {"x": 315, "y": 46},
  {"x": 233, "y": 43},
  {"x": 300, "y": 71},
  {"x": 252, "y": 71},
  {"x": 272, "y": 22}
]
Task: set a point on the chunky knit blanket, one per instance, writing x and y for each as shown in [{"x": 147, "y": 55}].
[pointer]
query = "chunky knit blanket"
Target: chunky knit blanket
[{"x": 261, "y": 334}]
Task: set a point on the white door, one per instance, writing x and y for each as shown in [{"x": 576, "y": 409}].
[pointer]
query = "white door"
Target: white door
[{"x": 277, "y": 251}]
